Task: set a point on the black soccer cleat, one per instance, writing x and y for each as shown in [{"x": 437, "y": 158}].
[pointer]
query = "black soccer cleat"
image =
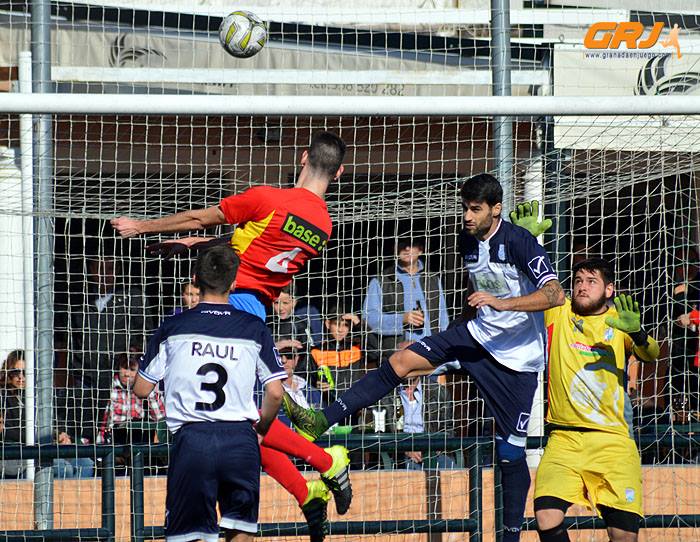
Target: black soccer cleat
[
  {"x": 337, "y": 478},
  {"x": 315, "y": 510}
]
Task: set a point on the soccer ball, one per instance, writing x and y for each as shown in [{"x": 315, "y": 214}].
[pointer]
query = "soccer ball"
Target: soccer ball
[{"x": 242, "y": 34}]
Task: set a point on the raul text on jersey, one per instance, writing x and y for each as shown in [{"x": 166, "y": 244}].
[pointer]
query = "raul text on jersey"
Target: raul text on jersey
[{"x": 221, "y": 351}]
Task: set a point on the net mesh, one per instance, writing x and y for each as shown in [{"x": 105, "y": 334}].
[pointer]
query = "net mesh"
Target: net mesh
[{"x": 619, "y": 187}]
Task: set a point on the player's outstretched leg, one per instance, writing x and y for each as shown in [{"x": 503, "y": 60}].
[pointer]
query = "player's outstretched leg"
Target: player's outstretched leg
[
  {"x": 365, "y": 392},
  {"x": 312, "y": 496},
  {"x": 333, "y": 463},
  {"x": 309, "y": 423}
]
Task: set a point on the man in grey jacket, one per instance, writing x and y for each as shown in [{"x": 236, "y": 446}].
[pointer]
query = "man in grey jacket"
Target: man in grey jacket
[{"x": 406, "y": 302}]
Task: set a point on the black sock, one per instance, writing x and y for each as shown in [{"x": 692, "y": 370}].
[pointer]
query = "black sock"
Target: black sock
[
  {"x": 365, "y": 392},
  {"x": 515, "y": 479},
  {"x": 555, "y": 534}
]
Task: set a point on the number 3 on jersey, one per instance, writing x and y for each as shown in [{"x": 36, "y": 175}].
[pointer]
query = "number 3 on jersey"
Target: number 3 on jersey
[
  {"x": 279, "y": 263},
  {"x": 216, "y": 387}
]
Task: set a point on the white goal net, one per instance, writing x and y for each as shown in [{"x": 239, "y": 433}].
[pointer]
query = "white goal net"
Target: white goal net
[{"x": 618, "y": 186}]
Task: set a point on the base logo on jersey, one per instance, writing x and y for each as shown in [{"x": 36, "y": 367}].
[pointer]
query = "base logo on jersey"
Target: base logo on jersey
[
  {"x": 305, "y": 232},
  {"x": 595, "y": 351},
  {"x": 629, "y": 494}
]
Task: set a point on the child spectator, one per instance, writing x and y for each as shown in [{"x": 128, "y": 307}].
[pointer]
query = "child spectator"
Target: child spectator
[
  {"x": 189, "y": 294},
  {"x": 125, "y": 409},
  {"x": 343, "y": 358},
  {"x": 341, "y": 353},
  {"x": 292, "y": 320}
]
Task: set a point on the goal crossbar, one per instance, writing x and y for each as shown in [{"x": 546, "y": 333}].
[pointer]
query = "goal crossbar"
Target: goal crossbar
[
  {"x": 158, "y": 104},
  {"x": 432, "y": 77}
]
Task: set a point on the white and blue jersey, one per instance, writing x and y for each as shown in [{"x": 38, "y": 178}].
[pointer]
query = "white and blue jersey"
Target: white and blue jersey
[
  {"x": 510, "y": 263},
  {"x": 209, "y": 358}
]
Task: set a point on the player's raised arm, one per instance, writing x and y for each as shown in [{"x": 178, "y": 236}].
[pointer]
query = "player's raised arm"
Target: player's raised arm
[
  {"x": 548, "y": 296},
  {"x": 194, "y": 219},
  {"x": 534, "y": 262}
]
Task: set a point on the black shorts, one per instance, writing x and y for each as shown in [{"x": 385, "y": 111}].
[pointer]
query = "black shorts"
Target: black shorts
[
  {"x": 212, "y": 462},
  {"x": 507, "y": 394}
]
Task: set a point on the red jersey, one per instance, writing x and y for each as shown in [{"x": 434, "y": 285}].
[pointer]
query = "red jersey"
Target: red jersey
[{"x": 278, "y": 230}]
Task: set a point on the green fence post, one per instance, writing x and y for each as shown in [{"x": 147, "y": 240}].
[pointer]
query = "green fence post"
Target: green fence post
[
  {"x": 137, "y": 514},
  {"x": 108, "y": 511},
  {"x": 475, "y": 489},
  {"x": 498, "y": 502}
]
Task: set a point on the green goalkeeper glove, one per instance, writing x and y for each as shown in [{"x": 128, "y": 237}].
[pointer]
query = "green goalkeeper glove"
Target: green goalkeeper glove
[
  {"x": 629, "y": 316},
  {"x": 525, "y": 216}
]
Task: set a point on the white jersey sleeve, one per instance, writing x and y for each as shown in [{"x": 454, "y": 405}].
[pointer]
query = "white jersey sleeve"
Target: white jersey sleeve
[
  {"x": 270, "y": 366},
  {"x": 152, "y": 364}
]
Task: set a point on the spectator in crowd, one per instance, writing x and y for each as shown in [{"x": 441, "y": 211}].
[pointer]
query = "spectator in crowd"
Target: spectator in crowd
[
  {"x": 12, "y": 409},
  {"x": 691, "y": 321},
  {"x": 343, "y": 352},
  {"x": 426, "y": 407},
  {"x": 123, "y": 419},
  {"x": 295, "y": 385},
  {"x": 579, "y": 251},
  {"x": 73, "y": 467},
  {"x": 189, "y": 294},
  {"x": 406, "y": 302},
  {"x": 110, "y": 314},
  {"x": 345, "y": 356},
  {"x": 13, "y": 382},
  {"x": 75, "y": 413},
  {"x": 684, "y": 341},
  {"x": 293, "y": 320}
]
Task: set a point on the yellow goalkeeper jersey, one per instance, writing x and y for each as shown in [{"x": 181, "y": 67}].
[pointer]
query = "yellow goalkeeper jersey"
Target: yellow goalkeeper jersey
[{"x": 587, "y": 371}]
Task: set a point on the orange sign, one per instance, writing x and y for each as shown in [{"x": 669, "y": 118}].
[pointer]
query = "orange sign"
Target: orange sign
[{"x": 609, "y": 35}]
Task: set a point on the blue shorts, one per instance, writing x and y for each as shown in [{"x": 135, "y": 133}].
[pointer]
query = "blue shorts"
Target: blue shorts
[
  {"x": 507, "y": 394},
  {"x": 212, "y": 462},
  {"x": 248, "y": 301}
]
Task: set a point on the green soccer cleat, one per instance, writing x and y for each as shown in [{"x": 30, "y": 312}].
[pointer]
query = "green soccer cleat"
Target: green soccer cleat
[
  {"x": 308, "y": 422},
  {"x": 337, "y": 478},
  {"x": 315, "y": 509}
]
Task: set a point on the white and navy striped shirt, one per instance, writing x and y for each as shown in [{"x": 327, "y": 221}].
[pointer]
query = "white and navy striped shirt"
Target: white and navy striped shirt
[
  {"x": 209, "y": 358},
  {"x": 510, "y": 263}
]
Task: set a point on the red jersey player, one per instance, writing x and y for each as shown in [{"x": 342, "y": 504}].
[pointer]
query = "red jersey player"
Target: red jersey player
[{"x": 278, "y": 231}]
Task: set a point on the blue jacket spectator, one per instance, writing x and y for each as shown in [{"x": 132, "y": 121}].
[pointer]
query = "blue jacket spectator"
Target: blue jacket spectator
[{"x": 406, "y": 302}]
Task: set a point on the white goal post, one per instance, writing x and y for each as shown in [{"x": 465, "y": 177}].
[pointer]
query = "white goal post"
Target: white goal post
[{"x": 153, "y": 104}]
